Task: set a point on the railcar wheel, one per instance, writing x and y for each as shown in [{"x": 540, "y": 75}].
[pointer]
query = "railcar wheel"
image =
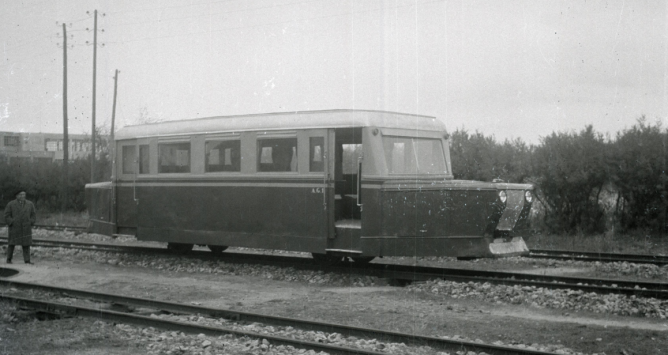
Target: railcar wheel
[
  {"x": 362, "y": 259},
  {"x": 217, "y": 249},
  {"x": 326, "y": 260},
  {"x": 180, "y": 248}
]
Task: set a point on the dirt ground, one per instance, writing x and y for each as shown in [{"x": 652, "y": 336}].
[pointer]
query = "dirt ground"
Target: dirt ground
[{"x": 383, "y": 307}]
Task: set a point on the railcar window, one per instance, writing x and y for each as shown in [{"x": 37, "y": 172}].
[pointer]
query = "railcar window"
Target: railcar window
[
  {"x": 143, "y": 159},
  {"x": 317, "y": 154},
  {"x": 174, "y": 158},
  {"x": 351, "y": 155},
  {"x": 223, "y": 156},
  {"x": 409, "y": 155},
  {"x": 129, "y": 159},
  {"x": 12, "y": 141},
  {"x": 277, "y": 154},
  {"x": 51, "y": 146}
]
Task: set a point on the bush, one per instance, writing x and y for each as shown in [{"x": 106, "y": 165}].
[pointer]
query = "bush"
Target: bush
[
  {"x": 476, "y": 157},
  {"x": 581, "y": 179},
  {"x": 43, "y": 181},
  {"x": 638, "y": 171},
  {"x": 570, "y": 171}
]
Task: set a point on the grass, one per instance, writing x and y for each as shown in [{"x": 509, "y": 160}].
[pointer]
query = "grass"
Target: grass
[
  {"x": 637, "y": 242},
  {"x": 77, "y": 219}
]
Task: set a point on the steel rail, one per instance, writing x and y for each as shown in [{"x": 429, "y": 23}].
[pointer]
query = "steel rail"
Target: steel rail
[
  {"x": 230, "y": 256},
  {"x": 55, "y": 227},
  {"x": 144, "y": 321},
  {"x": 659, "y": 260},
  {"x": 407, "y": 273},
  {"x": 93, "y": 246},
  {"x": 348, "y": 331},
  {"x": 602, "y": 286}
]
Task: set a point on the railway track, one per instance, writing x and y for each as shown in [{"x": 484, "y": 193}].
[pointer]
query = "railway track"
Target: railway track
[
  {"x": 93, "y": 246},
  {"x": 55, "y": 227},
  {"x": 105, "y": 302},
  {"x": 400, "y": 274},
  {"x": 659, "y": 260},
  {"x": 601, "y": 286}
]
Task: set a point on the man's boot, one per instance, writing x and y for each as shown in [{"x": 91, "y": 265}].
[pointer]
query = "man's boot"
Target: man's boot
[{"x": 10, "y": 253}]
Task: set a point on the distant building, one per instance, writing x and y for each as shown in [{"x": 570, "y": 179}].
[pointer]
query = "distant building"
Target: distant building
[{"x": 30, "y": 146}]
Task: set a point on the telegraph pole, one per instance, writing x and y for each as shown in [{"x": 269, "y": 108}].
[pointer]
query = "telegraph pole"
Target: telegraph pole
[
  {"x": 113, "y": 109},
  {"x": 66, "y": 152},
  {"x": 112, "y": 149},
  {"x": 113, "y": 119},
  {"x": 92, "y": 155}
]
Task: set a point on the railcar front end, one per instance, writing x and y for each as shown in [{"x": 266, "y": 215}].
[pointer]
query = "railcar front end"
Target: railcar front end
[{"x": 445, "y": 218}]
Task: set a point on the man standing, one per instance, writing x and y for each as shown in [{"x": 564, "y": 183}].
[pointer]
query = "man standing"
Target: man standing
[{"x": 20, "y": 217}]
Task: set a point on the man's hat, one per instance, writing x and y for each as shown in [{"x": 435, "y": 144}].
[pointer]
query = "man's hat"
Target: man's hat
[{"x": 18, "y": 191}]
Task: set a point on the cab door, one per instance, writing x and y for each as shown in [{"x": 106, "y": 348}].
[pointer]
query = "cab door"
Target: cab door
[
  {"x": 330, "y": 186},
  {"x": 320, "y": 168},
  {"x": 125, "y": 194}
]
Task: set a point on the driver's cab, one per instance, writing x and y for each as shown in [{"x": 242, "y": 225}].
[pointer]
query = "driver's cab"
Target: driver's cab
[{"x": 373, "y": 168}]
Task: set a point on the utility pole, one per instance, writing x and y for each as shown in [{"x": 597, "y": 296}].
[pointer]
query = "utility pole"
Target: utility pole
[
  {"x": 66, "y": 151},
  {"x": 113, "y": 120},
  {"x": 92, "y": 155},
  {"x": 113, "y": 109},
  {"x": 112, "y": 149}
]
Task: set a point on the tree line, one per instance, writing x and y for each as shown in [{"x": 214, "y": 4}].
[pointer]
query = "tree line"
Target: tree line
[
  {"x": 42, "y": 180},
  {"x": 585, "y": 182}
]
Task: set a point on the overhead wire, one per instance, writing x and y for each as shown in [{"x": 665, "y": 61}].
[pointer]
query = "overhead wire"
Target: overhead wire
[
  {"x": 25, "y": 42},
  {"x": 213, "y": 14},
  {"x": 20, "y": 43},
  {"x": 37, "y": 38},
  {"x": 267, "y": 24},
  {"x": 112, "y": 13},
  {"x": 24, "y": 7},
  {"x": 29, "y": 58}
]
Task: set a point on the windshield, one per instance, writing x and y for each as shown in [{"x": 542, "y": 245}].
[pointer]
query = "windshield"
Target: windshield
[{"x": 409, "y": 155}]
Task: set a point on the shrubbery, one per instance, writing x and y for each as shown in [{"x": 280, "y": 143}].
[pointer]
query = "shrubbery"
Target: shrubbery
[
  {"x": 43, "y": 182},
  {"x": 570, "y": 172},
  {"x": 476, "y": 157},
  {"x": 580, "y": 177},
  {"x": 637, "y": 168}
]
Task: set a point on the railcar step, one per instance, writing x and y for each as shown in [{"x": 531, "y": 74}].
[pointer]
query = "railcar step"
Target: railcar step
[
  {"x": 122, "y": 236},
  {"x": 349, "y": 223}
]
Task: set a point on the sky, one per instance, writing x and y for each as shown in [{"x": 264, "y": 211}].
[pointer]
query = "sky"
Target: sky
[{"x": 508, "y": 69}]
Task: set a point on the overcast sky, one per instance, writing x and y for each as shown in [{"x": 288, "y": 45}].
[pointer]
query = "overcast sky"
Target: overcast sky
[{"x": 512, "y": 69}]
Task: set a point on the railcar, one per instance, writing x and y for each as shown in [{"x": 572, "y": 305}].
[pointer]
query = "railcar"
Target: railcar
[{"x": 354, "y": 184}]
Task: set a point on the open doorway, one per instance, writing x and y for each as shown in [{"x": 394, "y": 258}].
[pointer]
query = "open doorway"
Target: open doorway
[{"x": 348, "y": 150}]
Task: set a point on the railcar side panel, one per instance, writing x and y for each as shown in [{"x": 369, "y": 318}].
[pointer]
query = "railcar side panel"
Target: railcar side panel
[
  {"x": 426, "y": 246},
  {"x": 100, "y": 217},
  {"x": 372, "y": 216},
  {"x": 126, "y": 207},
  {"x": 346, "y": 239},
  {"x": 287, "y": 216},
  {"x": 439, "y": 213},
  {"x": 422, "y": 223}
]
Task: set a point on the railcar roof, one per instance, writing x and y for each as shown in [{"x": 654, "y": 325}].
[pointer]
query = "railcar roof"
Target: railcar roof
[{"x": 283, "y": 121}]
